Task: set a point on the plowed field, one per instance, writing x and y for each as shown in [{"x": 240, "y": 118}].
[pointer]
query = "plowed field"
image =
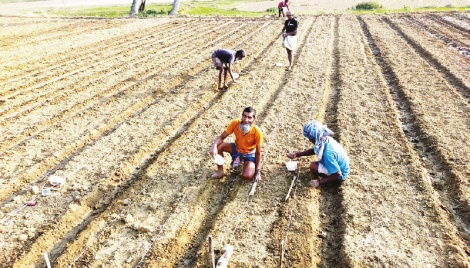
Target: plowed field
[{"x": 126, "y": 110}]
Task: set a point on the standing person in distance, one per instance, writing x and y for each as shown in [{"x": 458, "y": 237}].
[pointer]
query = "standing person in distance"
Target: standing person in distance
[
  {"x": 246, "y": 150},
  {"x": 281, "y": 5},
  {"x": 289, "y": 35},
  {"x": 333, "y": 162},
  {"x": 223, "y": 60}
]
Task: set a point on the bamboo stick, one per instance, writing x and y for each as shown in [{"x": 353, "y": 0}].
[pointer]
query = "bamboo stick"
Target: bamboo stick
[
  {"x": 211, "y": 253},
  {"x": 282, "y": 254},
  {"x": 46, "y": 258},
  {"x": 290, "y": 188}
]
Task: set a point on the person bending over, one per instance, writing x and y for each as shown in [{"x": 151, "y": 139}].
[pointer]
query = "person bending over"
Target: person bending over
[
  {"x": 223, "y": 60},
  {"x": 333, "y": 162}
]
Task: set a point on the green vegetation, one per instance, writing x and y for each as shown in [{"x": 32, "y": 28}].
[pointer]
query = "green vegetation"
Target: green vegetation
[
  {"x": 193, "y": 8},
  {"x": 405, "y": 9},
  {"x": 18, "y": 1},
  {"x": 368, "y": 6},
  {"x": 213, "y": 8}
]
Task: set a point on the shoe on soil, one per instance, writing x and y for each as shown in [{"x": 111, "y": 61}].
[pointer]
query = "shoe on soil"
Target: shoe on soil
[{"x": 218, "y": 175}]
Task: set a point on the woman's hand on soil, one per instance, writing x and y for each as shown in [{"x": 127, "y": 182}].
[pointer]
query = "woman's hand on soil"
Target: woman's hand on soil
[{"x": 291, "y": 155}]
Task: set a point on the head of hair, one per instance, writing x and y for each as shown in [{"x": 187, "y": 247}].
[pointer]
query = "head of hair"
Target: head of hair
[
  {"x": 240, "y": 53},
  {"x": 249, "y": 109},
  {"x": 290, "y": 13}
]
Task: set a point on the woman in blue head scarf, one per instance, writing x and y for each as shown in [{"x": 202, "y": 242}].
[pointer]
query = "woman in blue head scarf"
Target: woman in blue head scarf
[{"x": 333, "y": 162}]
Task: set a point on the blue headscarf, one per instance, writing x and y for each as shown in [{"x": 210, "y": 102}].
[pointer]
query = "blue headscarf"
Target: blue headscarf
[{"x": 318, "y": 132}]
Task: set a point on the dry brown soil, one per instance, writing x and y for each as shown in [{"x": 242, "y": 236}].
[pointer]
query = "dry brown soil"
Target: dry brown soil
[{"x": 125, "y": 110}]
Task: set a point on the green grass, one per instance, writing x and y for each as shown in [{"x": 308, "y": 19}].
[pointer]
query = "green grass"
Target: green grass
[
  {"x": 210, "y": 8},
  {"x": 193, "y": 8},
  {"x": 406, "y": 9},
  {"x": 18, "y": 1}
]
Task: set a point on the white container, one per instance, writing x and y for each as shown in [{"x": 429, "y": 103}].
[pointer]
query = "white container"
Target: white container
[
  {"x": 56, "y": 180},
  {"x": 235, "y": 76},
  {"x": 46, "y": 191},
  {"x": 219, "y": 160},
  {"x": 291, "y": 165}
]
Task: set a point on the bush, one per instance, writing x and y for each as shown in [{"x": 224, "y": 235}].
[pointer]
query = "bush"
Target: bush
[
  {"x": 368, "y": 6},
  {"x": 271, "y": 9},
  {"x": 153, "y": 13}
]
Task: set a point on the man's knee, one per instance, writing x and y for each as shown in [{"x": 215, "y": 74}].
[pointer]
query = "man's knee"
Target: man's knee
[
  {"x": 314, "y": 167},
  {"x": 248, "y": 176}
]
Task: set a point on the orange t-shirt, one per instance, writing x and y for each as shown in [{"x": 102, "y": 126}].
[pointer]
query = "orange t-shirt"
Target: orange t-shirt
[{"x": 245, "y": 143}]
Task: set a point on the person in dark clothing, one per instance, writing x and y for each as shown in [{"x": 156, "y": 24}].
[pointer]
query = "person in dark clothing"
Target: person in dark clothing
[
  {"x": 223, "y": 60},
  {"x": 289, "y": 35}
]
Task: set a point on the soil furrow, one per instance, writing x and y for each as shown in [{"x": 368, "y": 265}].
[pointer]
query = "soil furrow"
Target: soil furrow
[
  {"x": 331, "y": 198},
  {"x": 73, "y": 68},
  {"x": 16, "y": 34},
  {"x": 459, "y": 19},
  {"x": 439, "y": 159},
  {"x": 126, "y": 110},
  {"x": 62, "y": 32},
  {"x": 299, "y": 219},
  {"x": 201, "y": 206},
  {"x": 71, "y": 103},
  {"x": 235, "y": 224},
  {"x": 428, "y": 207},
  {"x": 465, "y": 51},
  {"x": 455, "y": 26},
  {"x": 89, "y": 53},
  {"x": 131, "y": 99},
  {"x": 145, "y": 150},
  {"x": 456, "y": 64},
  {"x": 41, "y": 52},
  {"x": 451, "y": 79},
  {"x": 196, "y": 162}
]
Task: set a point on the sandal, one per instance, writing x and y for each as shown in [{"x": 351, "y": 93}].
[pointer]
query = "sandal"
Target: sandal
[{"x": 218, "y": 175}]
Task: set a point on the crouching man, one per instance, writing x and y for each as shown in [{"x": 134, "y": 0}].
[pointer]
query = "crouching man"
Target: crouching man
[{"x": 246, "y": 150}]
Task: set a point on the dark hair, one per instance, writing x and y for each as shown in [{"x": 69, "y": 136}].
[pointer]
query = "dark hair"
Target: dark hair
[
  {"x": 249, "y": 109},
  {"x": 240, "y": 53}
]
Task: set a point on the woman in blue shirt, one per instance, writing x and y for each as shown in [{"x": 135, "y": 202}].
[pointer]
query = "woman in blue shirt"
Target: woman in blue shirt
[{"x": 333, "y": 161}]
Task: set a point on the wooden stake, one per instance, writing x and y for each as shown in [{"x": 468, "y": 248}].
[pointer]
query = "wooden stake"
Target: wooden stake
[
  {"x": 282, "y": 254},
  {"x": 290, "y": 188},
  {"x": 253, "y": 188},
  {"x": 227, "y": 251},
  {"x": 46, "y": 258},
  {"x": 211, "y": 253}
]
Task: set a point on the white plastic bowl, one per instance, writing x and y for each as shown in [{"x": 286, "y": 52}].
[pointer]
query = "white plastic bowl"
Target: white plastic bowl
[
  {"x": 56, "y": 180},
  {"x": 235, "y": 76},
  {"x": 219, "y": 160},
  {"x": 291, "y": 165}
]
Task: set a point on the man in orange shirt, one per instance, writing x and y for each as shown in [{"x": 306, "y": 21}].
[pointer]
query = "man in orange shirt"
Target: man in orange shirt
[{"x": 246, "y": 150}]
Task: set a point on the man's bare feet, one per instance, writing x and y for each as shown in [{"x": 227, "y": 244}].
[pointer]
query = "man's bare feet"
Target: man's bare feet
[
  {"x": 218, "y": 175},
  {"x": 313, "y": 184}
]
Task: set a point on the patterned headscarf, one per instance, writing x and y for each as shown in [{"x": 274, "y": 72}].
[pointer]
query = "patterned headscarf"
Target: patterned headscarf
[{"x": 318, "y": 132}]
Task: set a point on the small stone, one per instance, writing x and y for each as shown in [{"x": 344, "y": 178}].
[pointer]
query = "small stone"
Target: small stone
[
  {"x": 35, "y": 190},
  {"x": 23, "y": 237}
]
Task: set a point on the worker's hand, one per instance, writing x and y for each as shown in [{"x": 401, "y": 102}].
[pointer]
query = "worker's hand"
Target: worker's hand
[
  {"x": 291, "y": 155},
  {"x": 258, "y": 177},
  {"x": 284, "y": 35},
  {"x": 213, "y": 150}
]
